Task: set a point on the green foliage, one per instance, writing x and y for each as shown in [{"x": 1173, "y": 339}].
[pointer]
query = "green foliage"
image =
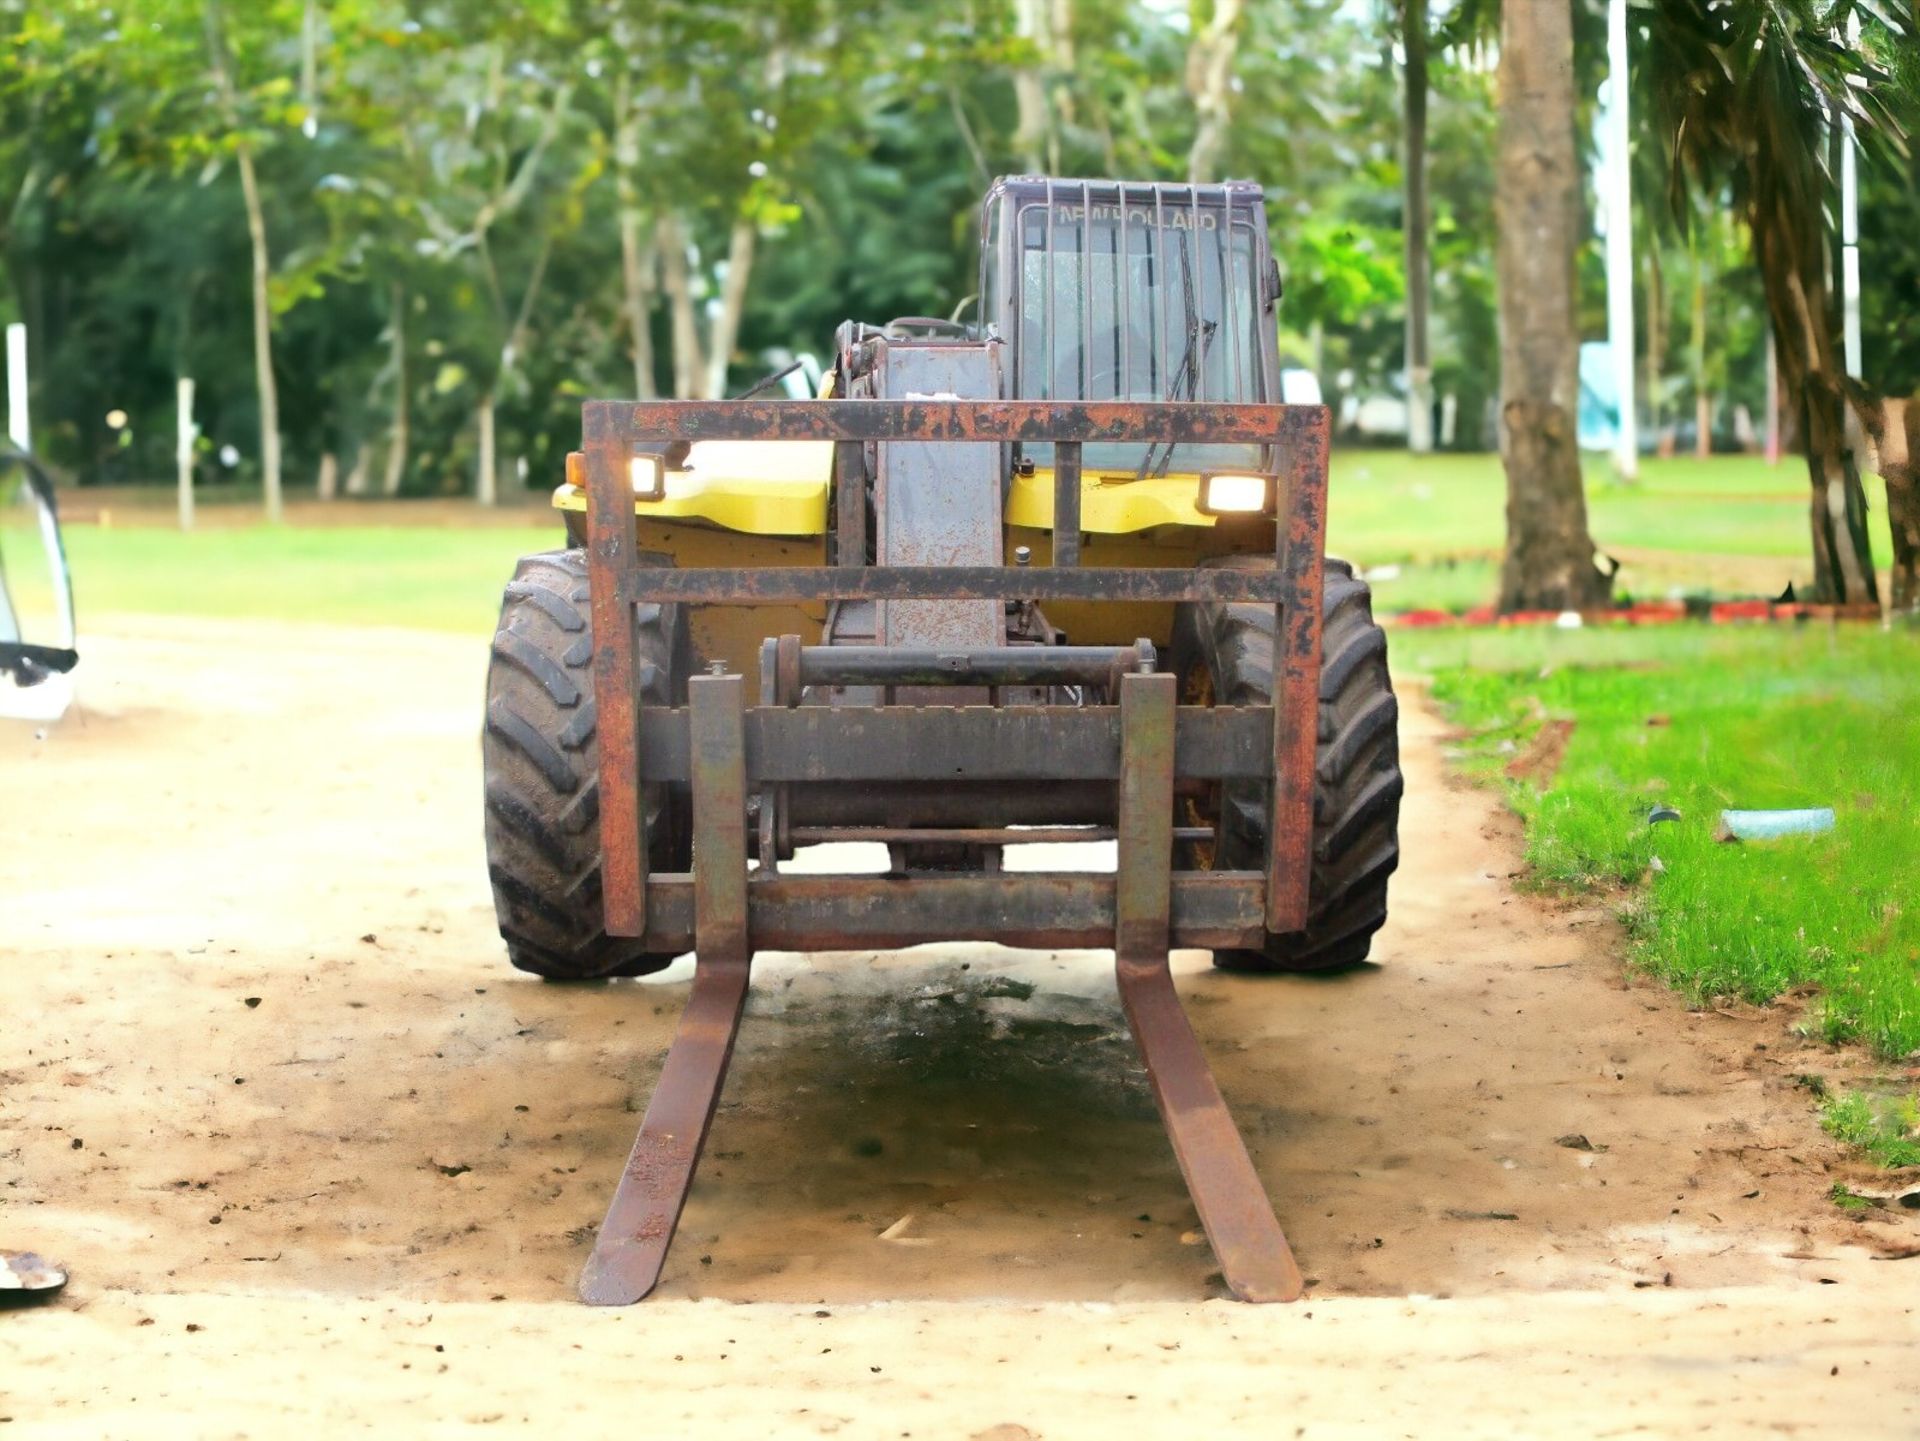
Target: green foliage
[
  {"x": 1347, "y": 273},
  {"x": 1887, "y": 1129},
  {"x": 1705, "y": 720},
  {"x": 1843, "y": 1196},
  {"x": 451, "y": 176},
  {"x": 1889, "y": 221},
  {"x": 1744, "y": 98},
  {"x": 454, "y": 176}
]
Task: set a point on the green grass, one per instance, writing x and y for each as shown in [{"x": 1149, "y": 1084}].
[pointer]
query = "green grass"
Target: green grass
[
  {"x": 1396, "y": 506},
  {"x": 423, "y": 576},
  {"x": 1439, "y": 519},
  {"x": 1442, "y": 520},
  {"x": 1844, "y": 1196},
  {"x": 1703, "y": 719},
  {"x": 1886, "y": 1130}
]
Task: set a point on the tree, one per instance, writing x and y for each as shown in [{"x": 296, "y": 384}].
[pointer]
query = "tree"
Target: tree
[
  {"x": 1216, "y": 37},
  {"x": 1889, "y": 221},
  {"x": 723, "y": 182},
  {"x": 1550, "y": 554},
  {"x": 731, "y": 106},
  {"x": 1037, "y": 139},
  {"x": 1746, "y": 97},
  {"x": 194, "y": 89},
  {"x": 486, "y": 180},
  {"x": 638, "y": 260},
  {"x": 220, "y": 64}
]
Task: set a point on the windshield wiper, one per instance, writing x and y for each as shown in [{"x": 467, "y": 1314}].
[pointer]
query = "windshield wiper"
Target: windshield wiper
[{"x": 1199, "y": 341}]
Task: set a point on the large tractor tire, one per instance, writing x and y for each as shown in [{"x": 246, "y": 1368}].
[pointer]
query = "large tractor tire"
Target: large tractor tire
[
  {"x": 1225, "y": 656},
  {"x": 541, "y": 754}
]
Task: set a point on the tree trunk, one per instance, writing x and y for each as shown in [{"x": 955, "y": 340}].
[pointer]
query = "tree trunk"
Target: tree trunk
[
  {"x": 400, "y": 439},
  {"x": 1550, "y": 554},
  {"x": 220, "y": 63},
  {"x": 636, "y": 251},
  {"x": 1790, "y": 245},
  {"x": 1210, "y": 83},
  {"x": 1061, "y": 63},
  {"x": 487, "y": 482},
  {"x": 1837, "y": 509},
  {"x": 636, "y": 277},
  {"x": 486, "y": 476},
  {"x": 1894, "y": 428},
  {"x": 263, "y": 338},
  {"x": 688, "y": 368},
  {"x": 327, "y": 485},
  {"x": 1803, "y": 332},
  {"x": 1413, "y": 31},
  {"x": 733, "y": 300},
  {"x": 1033, "y": 135}
]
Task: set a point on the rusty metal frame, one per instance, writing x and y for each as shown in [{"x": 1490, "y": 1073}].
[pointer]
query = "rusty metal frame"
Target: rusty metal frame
[
  {"x": 615, "y": 430},
  {"x": 950, "y": 582},
  {"x": 728, "y": 752},
  {"x": 1253, "y": 1253},
  {"x": 632, "y": 1244},
  {"x": 650, "y": 423},
  {"x": 1005, "y": 743}
]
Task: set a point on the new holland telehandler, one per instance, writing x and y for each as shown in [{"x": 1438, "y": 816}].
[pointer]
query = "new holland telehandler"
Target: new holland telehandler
[{"x": 1057, "y": 575}]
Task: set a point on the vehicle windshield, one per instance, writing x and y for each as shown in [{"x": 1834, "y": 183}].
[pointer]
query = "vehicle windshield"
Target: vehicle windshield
[{"x": 1163, "y": 307}]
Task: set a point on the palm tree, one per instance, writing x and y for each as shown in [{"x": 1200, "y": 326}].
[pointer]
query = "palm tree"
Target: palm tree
[
  {"x": 1550, "y": 552},
  {"x": 1744, "y": 97}
]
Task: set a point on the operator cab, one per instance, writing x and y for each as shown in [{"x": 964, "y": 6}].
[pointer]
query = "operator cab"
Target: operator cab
[{"x": 1108, "y": 290}]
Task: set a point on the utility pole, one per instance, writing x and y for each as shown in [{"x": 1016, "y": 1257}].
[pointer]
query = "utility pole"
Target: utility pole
[
  {"x": 19, "y": 431},
  {"x": 1850, "y": 227},
  {"x": 184, "y": 435},
  {"x": 1415, "y": 223},
  {"x": 1617, "y": 182}
]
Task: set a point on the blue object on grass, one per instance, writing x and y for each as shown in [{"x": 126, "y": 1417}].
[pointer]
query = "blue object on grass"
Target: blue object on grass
[{"x": 1770, "y": 825}]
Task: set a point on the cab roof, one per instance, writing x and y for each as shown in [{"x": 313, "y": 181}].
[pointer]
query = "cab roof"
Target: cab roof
[{"x": 1047, "y": 189}]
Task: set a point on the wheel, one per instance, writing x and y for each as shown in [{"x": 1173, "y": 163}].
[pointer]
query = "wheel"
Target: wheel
[
  {"x": 1224, "y": 654},
  {"x": 541, "y": 756}
]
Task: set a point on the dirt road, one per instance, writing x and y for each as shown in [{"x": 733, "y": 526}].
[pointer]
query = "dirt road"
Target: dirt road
[{"x": 273, "y": 1094}]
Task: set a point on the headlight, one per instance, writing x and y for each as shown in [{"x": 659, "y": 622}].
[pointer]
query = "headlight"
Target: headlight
[
  {"x": 649, "y": 476},
  {"x": 1235, "y": 493},
  {"x": 646, "y": 473}
]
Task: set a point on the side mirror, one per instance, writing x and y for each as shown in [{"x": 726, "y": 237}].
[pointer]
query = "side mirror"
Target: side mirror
[{"x": 1271, "y": 283}]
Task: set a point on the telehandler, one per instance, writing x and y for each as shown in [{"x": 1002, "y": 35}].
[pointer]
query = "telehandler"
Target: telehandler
[{"x": 1057, "y": 575}]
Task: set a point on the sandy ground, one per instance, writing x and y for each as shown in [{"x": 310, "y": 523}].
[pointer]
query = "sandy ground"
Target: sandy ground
[{"x": 322, "y": 1164}]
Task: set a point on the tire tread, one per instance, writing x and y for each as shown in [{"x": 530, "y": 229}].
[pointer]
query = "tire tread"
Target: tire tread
[
  {"x": 540, "y": 751},
  {"x": 1357, "y": 778}
]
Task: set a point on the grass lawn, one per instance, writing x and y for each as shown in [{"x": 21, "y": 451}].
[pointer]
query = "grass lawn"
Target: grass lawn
[
  {"x": 1394, "y": 506},
  {"x": 429, "y": 577},
  {"x": 1703, "y": 719},
  {"x": 1441, "y": 520},
  {"x": 1731, "y": 523}
]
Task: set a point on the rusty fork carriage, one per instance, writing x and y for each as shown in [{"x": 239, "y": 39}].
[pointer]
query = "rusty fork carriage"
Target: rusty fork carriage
[{"x": 1130, "y": 757}]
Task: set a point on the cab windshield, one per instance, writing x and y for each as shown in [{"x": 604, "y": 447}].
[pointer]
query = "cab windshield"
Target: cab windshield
[{"x": 1156, "y": 302}]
